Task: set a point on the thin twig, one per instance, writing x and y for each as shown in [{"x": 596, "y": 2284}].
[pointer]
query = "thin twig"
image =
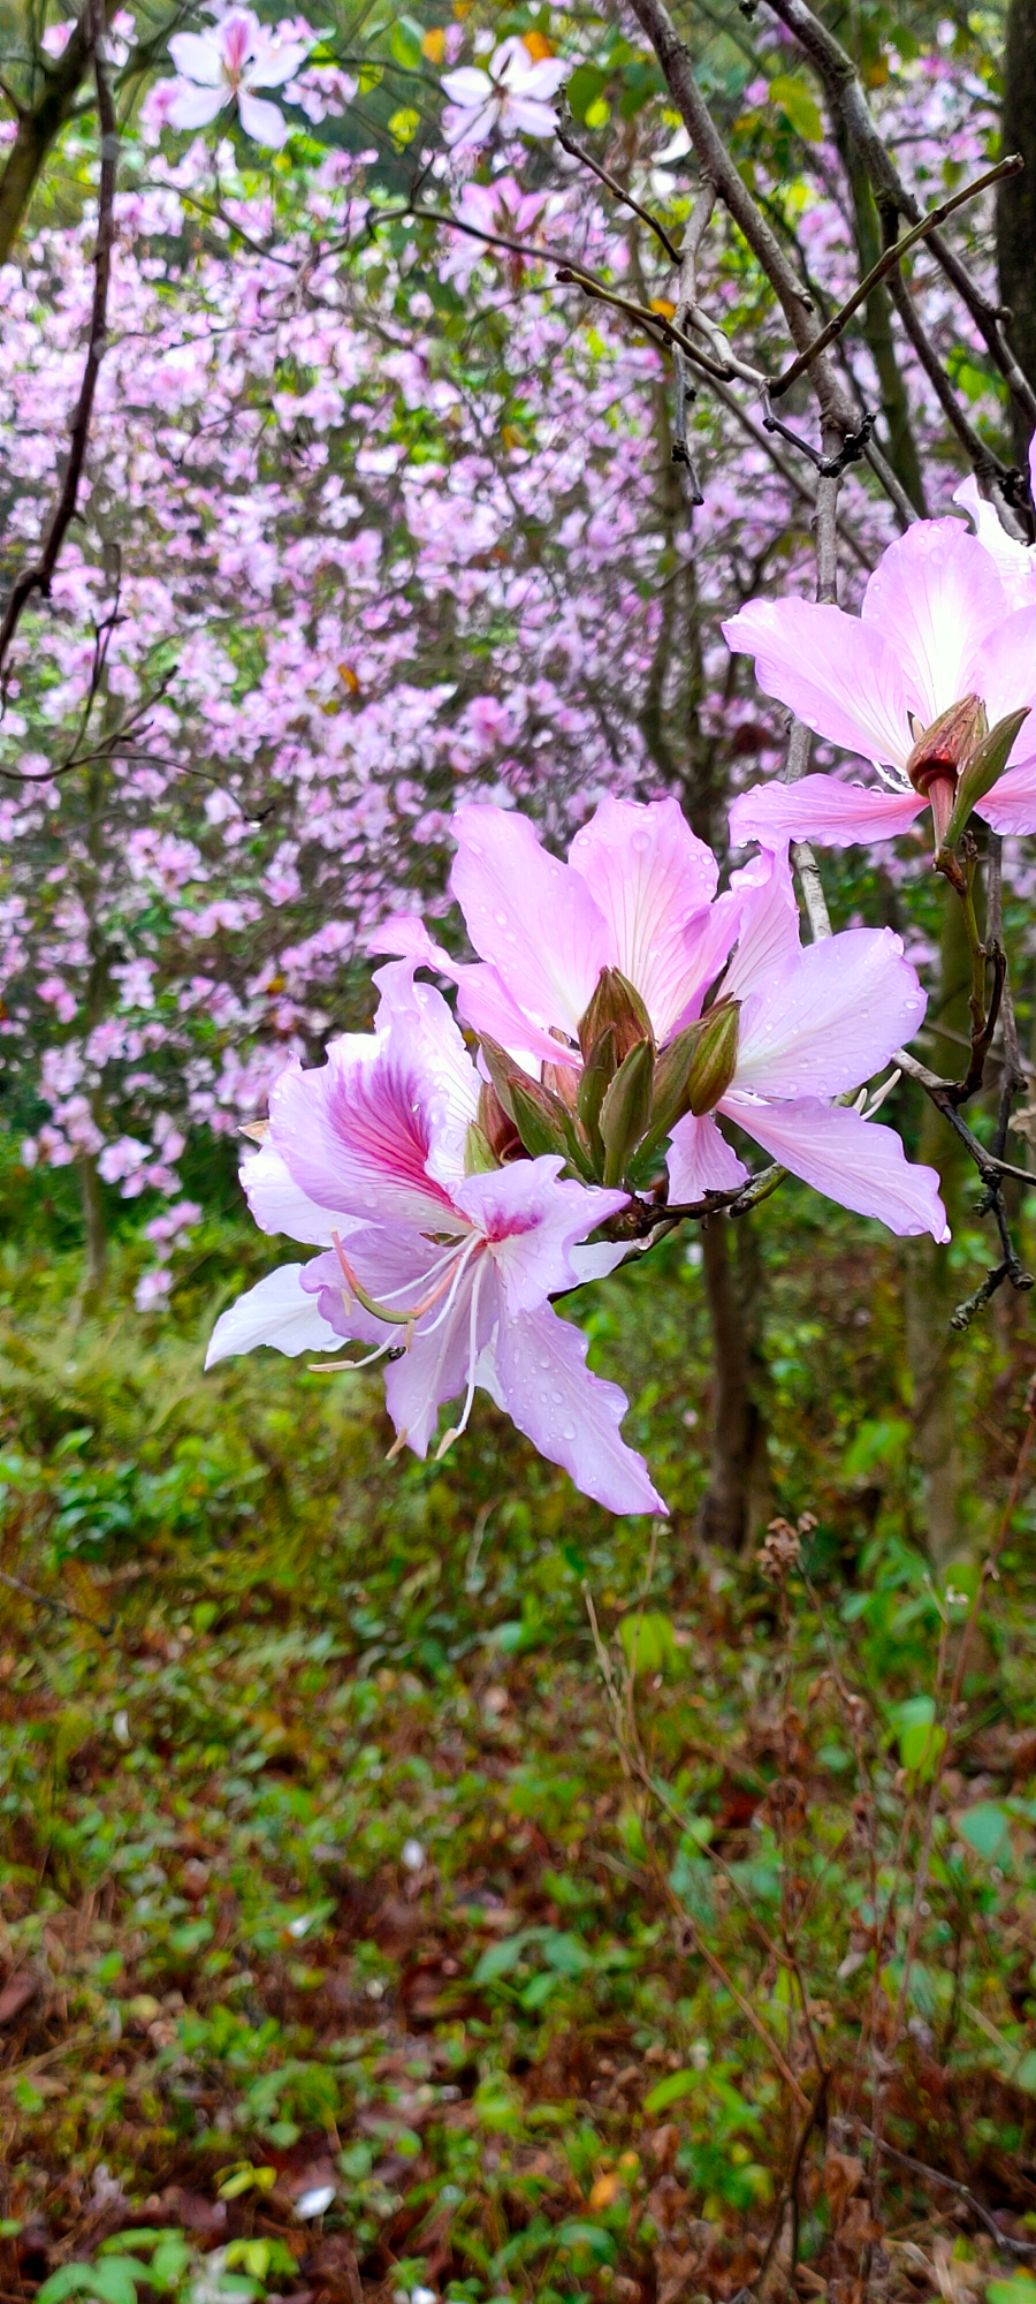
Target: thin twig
[
  {"x": 38, "y": 576},
  {"x": 619, "y": 192},
  {"x": 1011, "y": 165}
]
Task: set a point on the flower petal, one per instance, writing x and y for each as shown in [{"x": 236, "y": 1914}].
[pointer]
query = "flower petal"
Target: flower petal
[
  {"x": 835, "y": 672},
  {"x": 437, "y": 1363},
  {"x": 353, "y": 1134},
  {"x": 536, "y": 1372},
  {"x": 265, "y": 122},
  {"x": 528, "y": 914},
  {"x": 648, "y": 875},
  {"x": 533, "y": 1219},
  {"x": 195, "y": 107},
  {"x": 272, "y": 69},
  {"x": 700, "y": 1160},
  {"x": 823, "y": 809},
  {"x": 276, "y": 1203},
  {"x": 274, "y": 1312},
  {"x": 468, "y": 86},
  {"x": 768, "y": 932},
  {"x": 854, "y": 1161},
  {"x": 1003, "y": 672},
  {"x": 826, "y": 1018},
  {"x": 529, "y": 116},
  {"x": 934, "y": 591},
  {"x": 1015, "y": 562},
  {"x": 426, "y": 1039},
  {"x": 199, "y": 57},
  {"x": 1011, "y": 805}
]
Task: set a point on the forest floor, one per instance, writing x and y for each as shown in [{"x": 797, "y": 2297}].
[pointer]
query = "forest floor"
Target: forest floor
[{"x": 415, "y": 1884}]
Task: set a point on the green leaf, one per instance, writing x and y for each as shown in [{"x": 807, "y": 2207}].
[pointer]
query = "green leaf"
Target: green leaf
[
  {"x": 987, "y": 1829},
  {"x": 405, "y": 44},
  {"x": 920, "y": 1739},
  {"x": 403, "y": 125},
  {"x": 649, "y": 1642},
  {"x": 501, "y": 1959},
  {"x": 592, "y": 2238},
  {"x": 799, "y": 106},
  {"x": 584, "y": 89},
  {"x": 672, "y": 2090}
]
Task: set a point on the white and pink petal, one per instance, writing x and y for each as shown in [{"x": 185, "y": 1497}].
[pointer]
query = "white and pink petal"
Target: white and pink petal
[{"x": 856, "y": 1162}]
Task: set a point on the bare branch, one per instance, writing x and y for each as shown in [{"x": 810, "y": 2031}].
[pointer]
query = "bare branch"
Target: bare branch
[
  {"x": 1012, "y": 165},
  {"x": 38, "y": 576}
]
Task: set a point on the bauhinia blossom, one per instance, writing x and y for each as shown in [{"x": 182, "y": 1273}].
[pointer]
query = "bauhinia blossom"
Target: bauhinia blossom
[
  {"x": 513, "y": 93},
  {"x": 939, "y": 655},
  {"x": 774, "y": 1032},
  {"x": 236, "y": 57},
  {"x": 1016, "y": 562},
  {"x": 440, "y": 1261}
]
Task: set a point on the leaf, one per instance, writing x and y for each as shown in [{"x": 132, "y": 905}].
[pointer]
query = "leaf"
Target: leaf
[
  {"x": 649, "y": 1642},
  {"x": 404, "y": 124},
  {"x": 672, "y": 2090},
  {"x": 921, "y": 1741},
  {"x": 501, "y": 1959},
  {"x": 799, "y": 106},
  {"x": 406, "y": 44},
  {"x": 987, "y": 1829},
  {"x": 590, "y": 2237}
]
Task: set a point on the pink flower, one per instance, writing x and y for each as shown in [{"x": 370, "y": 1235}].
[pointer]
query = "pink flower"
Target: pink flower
[
  {"x": 430, "y": 1256},
  {"x": 638, "y": 894},
  {"x": 937, "y": 630},
  {"x": 513, "y": 94},
  {"x": 1016, "y": 562},
  {"x": 237, "y": 56}
]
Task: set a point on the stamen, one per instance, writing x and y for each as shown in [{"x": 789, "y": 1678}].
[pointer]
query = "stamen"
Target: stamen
[
  {"x": 455, "y": 1430},
  {"x": 379, "y": 1307},
  {"x": 331, "y": 1367}
]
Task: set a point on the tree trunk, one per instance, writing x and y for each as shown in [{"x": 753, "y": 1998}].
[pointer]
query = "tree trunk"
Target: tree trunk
[
  {"x": 1016, "y": 198},
  {"x": 931, "y": 1289},
  {"x": 95, "y": 1235},
  {"x": 37, "y": 130},
  {"x": 734, "y": 1504}
]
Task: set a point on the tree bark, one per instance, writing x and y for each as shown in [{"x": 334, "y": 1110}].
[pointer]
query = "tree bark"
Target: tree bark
[
  {"x": 95, "y": 1235},
  {"x": 37, "y": 129},
  {"x": 734, "y": 1504},
  {"x": 1016, "y": 199}
]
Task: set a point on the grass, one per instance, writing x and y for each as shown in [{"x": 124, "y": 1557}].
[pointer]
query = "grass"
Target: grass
[{"x": 372, "y": 1925}]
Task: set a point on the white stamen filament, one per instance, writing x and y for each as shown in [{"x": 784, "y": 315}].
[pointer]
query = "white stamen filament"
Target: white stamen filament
[{"x": 455, "y": 1430}]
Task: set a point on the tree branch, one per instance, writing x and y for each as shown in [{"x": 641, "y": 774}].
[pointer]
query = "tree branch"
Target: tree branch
[{"x": 38, "y": 576}]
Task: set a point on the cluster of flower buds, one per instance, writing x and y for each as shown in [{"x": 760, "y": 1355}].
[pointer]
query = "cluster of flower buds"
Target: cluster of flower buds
[{"x": 612, "y": 1120}]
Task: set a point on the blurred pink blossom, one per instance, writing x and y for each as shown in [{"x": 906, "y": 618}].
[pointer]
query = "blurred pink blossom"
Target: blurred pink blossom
[
  {"x": 236, "y": 57},
  {"x": 513, "y": 93}
]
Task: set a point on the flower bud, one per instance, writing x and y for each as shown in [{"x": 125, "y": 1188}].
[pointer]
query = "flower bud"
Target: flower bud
[
  {"x": 542, "y": 1121},
  {"x": 715, "y": 1058},
  {"x": 496, "y": 1129},
  {"x": 626, "y": 1110},
  {"x": 615, "y": 1005},
  {"x": 939, "y": 754},
  {"x": 982, "y": 769}
]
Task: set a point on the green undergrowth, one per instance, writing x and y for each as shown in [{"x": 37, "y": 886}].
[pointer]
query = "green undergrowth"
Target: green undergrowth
[{"x": 415, "y": 1880}]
